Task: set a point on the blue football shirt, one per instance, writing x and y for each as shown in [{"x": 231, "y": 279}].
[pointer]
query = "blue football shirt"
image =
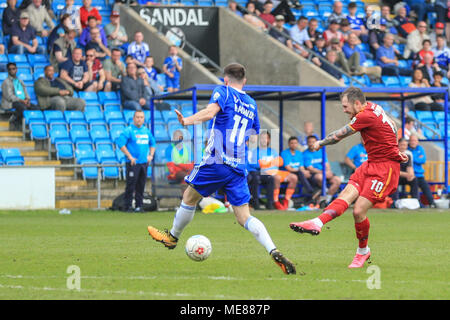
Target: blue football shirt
[
  {"x": 138, "y": 142},
  {"x": 294, "y": 160},
  {"x": 231, "y": 128},
  {"x": 314, "y": 159},
  {"x": 358, "y": 154}
]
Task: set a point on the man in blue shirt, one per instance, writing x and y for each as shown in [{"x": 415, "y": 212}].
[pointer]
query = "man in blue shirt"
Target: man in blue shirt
[
  {"x": 356, "y": 156},
  {"x": 419, "y": 158},
  {"x": 234, "y": 118},
  {"x": 138, "y": 145},
  {"x": 293, "y": 162},
  {"x": 387, "y": 59},
  {"x": 312, "y": 160}
]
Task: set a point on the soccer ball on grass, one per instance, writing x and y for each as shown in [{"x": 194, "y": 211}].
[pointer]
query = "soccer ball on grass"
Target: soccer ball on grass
[{"x": 198, "y": 248}]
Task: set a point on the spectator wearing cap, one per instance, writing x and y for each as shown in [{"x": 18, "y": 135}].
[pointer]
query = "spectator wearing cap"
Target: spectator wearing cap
[
  {"x": 337, "y": 13},
  {"x": 387, "y": 60},
  {"x": 11, "y": 16},
  {"x": 300, "y": 37},
  {"x": 313, "y": 33},
  {"x": 341, "y": 60},
  {"x": 74, "y": 14},
  {"x": 320, "y": 49},
  {"x": 438, "y": 97},
  {"x": 62, "y": 49},
  {"x": 438, "y": 31},
  {"x": 86, "y": 11},
  {"x": 356, "y": 58},
  {"x": 116, "y": 33},
  {"x": 280, "y": 33},
  {"x": 415, "y": 40},
  {"x": 266, "y": 15},
  {"x": 85, "y": 36},
  {"x": 38, "y": 16},
  {"x": 376, "y": 36},
  {"x": 442, "y": 53},
  {"x": 333, "y": 32},
  {"x": 23, "y": 37}
]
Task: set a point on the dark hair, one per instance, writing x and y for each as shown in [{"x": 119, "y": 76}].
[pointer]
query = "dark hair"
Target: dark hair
[
  {"x": 402, "y": 140},
  {"x": 302, "y": 18},
  {"x": 440, "y": 36},
  {"x": 48, "y": 66},
  {"x": 438, "y": 73},
  {"x": 352, "y": 5},
  {"x": 235, "y": 71},
  {"x": 292, "y": 138},
  {"x": 313, "y": 20},
  {"x": 115, "y": 49},
  {"x": 11, "y": 64},
  {"x": 426, "y": 40},
  {"x": 92, "y": 17},
  {"x": 409, "y": 119},
  {"x": 268, "y": 2},
  {"x": 311, "y": 137},
  {"x": 354, "y": 94}
]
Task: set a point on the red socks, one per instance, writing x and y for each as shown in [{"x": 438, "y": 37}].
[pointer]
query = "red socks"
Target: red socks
[
  {"x": 362, "y": 232},
  {"x": 334, "y": 209}
]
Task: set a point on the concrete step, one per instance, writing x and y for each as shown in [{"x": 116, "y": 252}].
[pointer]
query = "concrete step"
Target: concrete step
[
  {"x": 76, "y": 194},
  {"x": 22, "y": 145},
  {"x": 4, "y": 126},
  {"x": 35, "y": 154},
  {"x": 82, "y": 204},
  {"x": 10, "y": 136},
  {"x": 64, "y": 173},
  {"x": 43, "y": 163},
  {"x": 70, "y": 184}
]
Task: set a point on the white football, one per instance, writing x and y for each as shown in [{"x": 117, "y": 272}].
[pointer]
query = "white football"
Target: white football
[{"x": 198, "y": 248}]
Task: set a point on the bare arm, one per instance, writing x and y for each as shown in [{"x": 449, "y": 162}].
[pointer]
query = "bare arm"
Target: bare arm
[
  {"x": 204, "y": 115},
  {"x": 336, "y": 136},
  {"x": 349, "y": 163}
]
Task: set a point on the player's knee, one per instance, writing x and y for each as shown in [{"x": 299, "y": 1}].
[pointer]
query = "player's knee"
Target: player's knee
[{"x": 358, "y": 212}]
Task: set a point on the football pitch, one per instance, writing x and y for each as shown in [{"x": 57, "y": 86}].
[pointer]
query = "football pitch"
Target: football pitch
[{"x": 43, "y": 252}]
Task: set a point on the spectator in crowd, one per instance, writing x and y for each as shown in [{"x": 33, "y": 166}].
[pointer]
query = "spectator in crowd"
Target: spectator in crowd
[
  {"x": 11, "y": 16},
  {"x": 95, "y": 70},
  {"x": 407, "y": 176},
  {"x": 85, "y": 36},
  {"x": 55, "y": 93},
  {"x": 255, "y": 179},
  {"x": 313, "y": 162},
  {"x": 356, "y": 24},
  {"x": 232, "y": 6},
  {"x": 151, "y": 87},
  {"x": 132, "y": 90},
  {"x": 441, "y": 7},
  {"x": 116, "y": 33},
  {"x": 86, "y": 11},
  {"x": 356, "y": 156},
  {"x": 419, "y": 60},
  {"x": 75, "y": 72},
  {"x": 421, "y": 8},
  {"x": 149, "y": 67},
  {"x": 62, "y": 49},
  {"x": 429, "y": 67},
  {"x": 313, "y": 33},
  {"x": 179, "y": 159},
  {"x": 266, "y": 15},
  {"x": 387, "y": 59},
  {"x": 282, "y": 7},
  {"x": 96, "y": 43},
  {"x": 269, "y": 162},
  {"x": 419, "y": 159},
  {"x": 403, "y": 25},
  {"x": 369, "y": 9},
  {"x": 341, "y": 60},
  {"x": 356, "y": 58},
  {"x": 23, "y": 37},
  {"x": 442, "y": 53},
  {"x": 138, "y": 145},
  {"x": 333, "y": 32},
  {"x": 280, "y": 33},
  {"x": 376, "y": 37},
  {"x": 386, "y": 15},
  {"x": 308, "y": 130},
  {"x": 58, "y": 31},
  {"x": 15, "y": 95},
  {"x": 138, "y": 49},
  {"x": 320, "y": 49},
  {"x": 345, "y": 29},
  {"x": 409, "y": 129},
  {"x": 38, "y": 15},
  {"x": 114, "y": 71},
  {"x": 438, "y": 31},
  {"x": 252, "y": 16},
  {"x": 300, "y": 37},
  {"x": 424, "y": 103},
  {"x": 438, "y": 97},
  {"x": 172, "y": 67},
  {"x": 293, "y": 163},
  {"x": 332, "y": 56},
  {"x": 74, "y": 14},
  {"x": 415, "y": 40},
  {"x": 337, "y": 14}
]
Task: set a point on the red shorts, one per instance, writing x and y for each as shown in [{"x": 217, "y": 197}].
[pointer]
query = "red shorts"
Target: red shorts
[{"x": 376, "y": 180}]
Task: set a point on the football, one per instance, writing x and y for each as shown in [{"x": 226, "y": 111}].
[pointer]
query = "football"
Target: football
[{"x": 198, "y": 248}]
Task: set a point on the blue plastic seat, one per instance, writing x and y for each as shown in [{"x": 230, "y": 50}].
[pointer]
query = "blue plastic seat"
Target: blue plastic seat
[
  {"x": 74, "y": 117},
  {"x": 94, "y": 117},
  {"x": 115, "y": 130},
  {"x": 59, "y": 133},
  {"x": 390, "y": 81},
  {"x": 114, "y": 117},
  {"x": 424, "y": 116},
  {"x": 439, "y": 116},
  {"x": 160, "y": 133},
  {"x": 128, "y": 116},
  {"x": 404, "y": 81},
  {"x": 30, "y": 115},
  {"x": 53, "y": 117},
  {"x": 108, "y": 97},
  {"x": 64, "y": 149},
  {"x": 38, "y": 129},
  {"x": 79, "y": 134},
  {"x": 12, "y": 157},
  {"x": 160, "y": 153},
  {"x": 169, "y": 115},
  {"x": 99, "y": 135}
]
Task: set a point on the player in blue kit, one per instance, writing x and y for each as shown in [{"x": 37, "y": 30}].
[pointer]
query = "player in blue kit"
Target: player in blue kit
[{"x": 234, "y": 117}]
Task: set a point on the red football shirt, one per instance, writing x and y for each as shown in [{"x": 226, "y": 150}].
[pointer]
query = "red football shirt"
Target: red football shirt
[{"x": 379, "y": 133}]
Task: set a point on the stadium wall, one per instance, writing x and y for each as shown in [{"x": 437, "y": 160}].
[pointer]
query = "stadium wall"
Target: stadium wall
[
  {"x": 192, "y": 72},
  {"x": 269, "y": 62}
]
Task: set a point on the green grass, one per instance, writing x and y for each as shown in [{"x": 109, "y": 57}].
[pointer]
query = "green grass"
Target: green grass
[{"x": 118, "y": 260}]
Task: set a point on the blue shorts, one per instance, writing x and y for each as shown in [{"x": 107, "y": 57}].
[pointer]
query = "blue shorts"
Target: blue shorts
[
  {"x": 208, "y": 178},
  {"x": 173, "y": 82}
]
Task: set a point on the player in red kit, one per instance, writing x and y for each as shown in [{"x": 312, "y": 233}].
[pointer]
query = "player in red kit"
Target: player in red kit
[{"x": 373, "y": 180}]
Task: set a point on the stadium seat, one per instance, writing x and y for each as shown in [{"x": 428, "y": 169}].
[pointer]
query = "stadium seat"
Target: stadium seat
[
  {"x": 108, "y": 97},
  {"x": 54, "y": 117},
  {"x": 64, "y": 149},
  {"x": 404, "y": 81},
  {"x": 86, "y": 155},
  {"x": 439, "y": 116},
  {"x": 20, "y": 60},
  {"x": 390, "y": 81},
  {"x": 3, "y": 76},
  {"x": 38, "y": 129},
  {"x": 30, "y": 115},
  {"x": 75, "y": 117},
  {"x": 79, "y": 134},
  {"x": 114, "y": 117},
  {"x": 128, "y": 116},
  {"x": 59, "y": 133},
  {"x": 160, "y": 133},
  {"x": 424, "y": 116},
  {"x": 160, "y": 153},
  {"x": 99, "y": 134},
  {"x": 90, "y": 98},
  {"x": 3, "y": 58},
  {"x": 169, "y": 115},
  {"x": 12, "y": 157},
  {"x": 115, "y": 130},
  {"x": 94, "y": 116},
  {"x": 112, "y": 107}
]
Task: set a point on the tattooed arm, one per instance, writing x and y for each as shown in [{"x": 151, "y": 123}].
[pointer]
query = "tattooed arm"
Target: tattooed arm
[{"x": 335, "y": 137}]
